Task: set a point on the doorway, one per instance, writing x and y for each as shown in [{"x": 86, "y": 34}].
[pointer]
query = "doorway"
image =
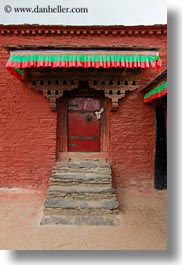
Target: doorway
[
  {"x": 83, "y": 123},
  {"x": 160, "y": 181}
]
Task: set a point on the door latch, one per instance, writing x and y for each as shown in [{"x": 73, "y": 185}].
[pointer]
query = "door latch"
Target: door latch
[{"x": 98, "y": 113}]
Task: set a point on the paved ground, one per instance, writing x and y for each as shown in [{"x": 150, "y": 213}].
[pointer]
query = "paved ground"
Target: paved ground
[{"x": 143, "y": 224}]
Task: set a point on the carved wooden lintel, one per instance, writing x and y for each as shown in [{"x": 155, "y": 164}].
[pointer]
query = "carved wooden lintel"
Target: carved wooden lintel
[{"x": 113, "y": 84}]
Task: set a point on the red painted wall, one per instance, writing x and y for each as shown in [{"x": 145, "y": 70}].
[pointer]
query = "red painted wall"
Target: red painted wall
[
  {"x": 27, "y": 133},
  {"x": 132, "y": 135},
  {"x": 28, "y": 126}
]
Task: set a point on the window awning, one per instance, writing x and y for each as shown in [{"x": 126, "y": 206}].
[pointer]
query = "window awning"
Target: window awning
[
  {"x": 156, "y": 92},
  {"x": 81, "y": 58}
]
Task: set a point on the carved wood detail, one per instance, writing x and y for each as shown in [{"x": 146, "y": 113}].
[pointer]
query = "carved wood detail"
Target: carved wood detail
[{"x": 114, "y": 83}]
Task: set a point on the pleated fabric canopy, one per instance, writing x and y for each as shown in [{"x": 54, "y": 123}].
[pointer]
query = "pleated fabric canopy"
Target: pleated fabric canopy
[
  {"x": 156, "y": 92},
  {"x": 19, "y": 60}
]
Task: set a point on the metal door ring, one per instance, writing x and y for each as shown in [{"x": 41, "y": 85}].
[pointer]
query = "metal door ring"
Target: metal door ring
[{"x": 89, "y": 118}]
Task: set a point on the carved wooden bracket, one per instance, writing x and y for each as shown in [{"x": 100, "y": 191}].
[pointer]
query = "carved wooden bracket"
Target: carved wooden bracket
[
  {"x": 54, "y": 93},
  {"x": 116, "y": 89},
  {"x": 114, "y": 96},
  {"x": 114, "y": 84}
]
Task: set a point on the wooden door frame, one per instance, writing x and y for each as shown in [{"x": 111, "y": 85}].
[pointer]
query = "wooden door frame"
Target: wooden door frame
[{"x": 62, "y": 130}]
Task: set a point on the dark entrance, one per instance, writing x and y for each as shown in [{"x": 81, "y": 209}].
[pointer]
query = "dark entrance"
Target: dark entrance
[
  {"x": 161, "y": 150},
  {"x": 84, "y": 124}
]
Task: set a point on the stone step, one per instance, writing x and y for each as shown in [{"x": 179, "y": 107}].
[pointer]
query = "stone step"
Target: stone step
[
  {"x": 81, "y": 188},
  {"x": 62, "y": 207},
  {"x": 80, "y": 192},
  {"x": 76, "y": 204},
  {"x": 82, "y": 175},
  {"x": 49, "y": 211},
  {"x": 73, "y": 178},
  {"x": 101, "y": 171},
  {"x": 81, "y": 196},
  {"x": 95, "y": 220},
  {"x": 83, "y": 164},
  {"x": 72, "y": 182}
]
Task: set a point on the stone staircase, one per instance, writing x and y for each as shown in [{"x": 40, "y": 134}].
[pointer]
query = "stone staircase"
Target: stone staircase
[{"x": 80, "y": 192}]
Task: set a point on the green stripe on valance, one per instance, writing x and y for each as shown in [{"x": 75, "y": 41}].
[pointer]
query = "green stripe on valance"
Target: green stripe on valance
[{"x": 83, "y": 58}]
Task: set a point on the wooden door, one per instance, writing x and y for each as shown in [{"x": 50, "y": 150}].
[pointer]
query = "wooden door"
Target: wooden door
[{"x": 83, "y": 124}]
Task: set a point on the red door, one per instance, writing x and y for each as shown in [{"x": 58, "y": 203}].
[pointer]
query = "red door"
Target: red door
[{"x": 83, "y": 124}]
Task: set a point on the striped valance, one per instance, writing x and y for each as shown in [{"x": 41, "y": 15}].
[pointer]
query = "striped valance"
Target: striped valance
[
  {"x": 156, "y": 92},
  {"x": 85, "y": 59}
]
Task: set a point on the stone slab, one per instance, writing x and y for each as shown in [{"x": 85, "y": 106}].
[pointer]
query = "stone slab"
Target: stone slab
[
  {"x": 79, "y": 211},
  {"x": 62, "y": 203},
  {"x": 77, "y": 175},
  {"x": 81, "y": 220},
  {"x": 81, "y": 189}
]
